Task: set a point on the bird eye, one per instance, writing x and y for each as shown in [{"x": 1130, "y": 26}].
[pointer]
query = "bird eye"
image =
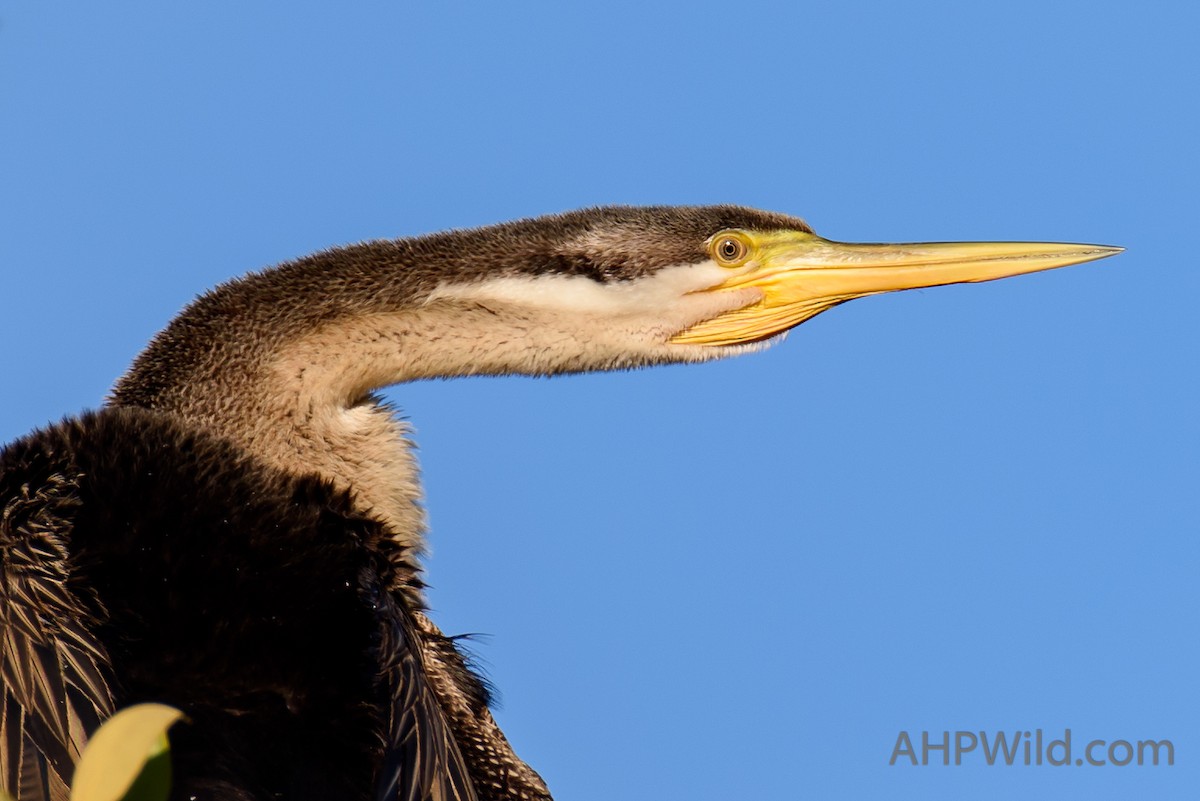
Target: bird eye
[{"x": 730, "y": 250}]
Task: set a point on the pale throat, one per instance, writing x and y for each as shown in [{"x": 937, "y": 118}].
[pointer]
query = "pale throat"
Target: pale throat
[{"x": 316, "y": 412}]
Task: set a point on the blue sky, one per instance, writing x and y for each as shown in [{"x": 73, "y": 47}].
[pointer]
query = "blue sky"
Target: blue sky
[{"x": 967, "y": 508}]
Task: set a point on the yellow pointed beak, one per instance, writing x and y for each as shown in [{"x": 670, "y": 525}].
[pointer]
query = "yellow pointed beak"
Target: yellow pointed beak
[{"x": 801, "y": 274}]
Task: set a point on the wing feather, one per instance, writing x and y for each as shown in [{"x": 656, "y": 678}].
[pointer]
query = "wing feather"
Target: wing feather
[
  {"x": 55, "y": 673},
  {"x": 422, "y": 761}
]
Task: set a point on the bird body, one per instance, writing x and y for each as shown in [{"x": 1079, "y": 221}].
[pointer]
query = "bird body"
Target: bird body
[
  {"x": 255, "y": 614},
  {"x": 238, "y": 531}
]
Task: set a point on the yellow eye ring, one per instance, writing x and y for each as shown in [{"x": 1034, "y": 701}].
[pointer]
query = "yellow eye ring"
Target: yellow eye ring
[{"x": 729, "y": 248}]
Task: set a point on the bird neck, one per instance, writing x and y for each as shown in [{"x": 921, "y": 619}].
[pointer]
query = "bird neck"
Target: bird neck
[{"x": 284, "y": 363}]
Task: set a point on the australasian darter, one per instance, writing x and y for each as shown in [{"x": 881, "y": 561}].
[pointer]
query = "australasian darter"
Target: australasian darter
[{"x": 236, "y": 533}]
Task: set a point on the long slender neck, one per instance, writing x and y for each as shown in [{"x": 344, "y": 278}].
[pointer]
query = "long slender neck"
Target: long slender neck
[{"x": 283, "y": 363}]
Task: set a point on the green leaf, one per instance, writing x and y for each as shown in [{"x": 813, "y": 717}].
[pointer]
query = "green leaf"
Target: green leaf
[{"x": 128, "y": 757}]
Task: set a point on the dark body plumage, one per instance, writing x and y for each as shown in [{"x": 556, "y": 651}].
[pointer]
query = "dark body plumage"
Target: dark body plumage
[{"x": 258, "y": 602}]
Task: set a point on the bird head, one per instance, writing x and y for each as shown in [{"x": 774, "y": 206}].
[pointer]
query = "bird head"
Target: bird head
[{"x": 627, "y": 286}]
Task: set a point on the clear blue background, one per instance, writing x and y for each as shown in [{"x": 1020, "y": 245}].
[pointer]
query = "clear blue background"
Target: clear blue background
[{"x": 962, "y": 508}]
